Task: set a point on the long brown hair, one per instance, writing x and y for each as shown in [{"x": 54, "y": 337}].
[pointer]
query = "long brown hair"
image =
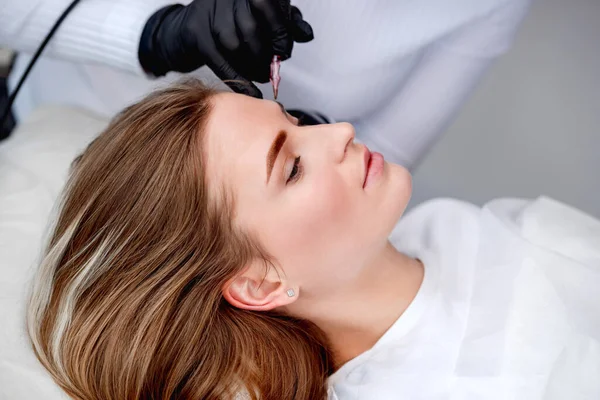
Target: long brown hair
[{"x": 127, "y": 302}]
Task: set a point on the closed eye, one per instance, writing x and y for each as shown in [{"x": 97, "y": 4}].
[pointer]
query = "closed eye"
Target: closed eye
[{"x": 296, "y": 171}]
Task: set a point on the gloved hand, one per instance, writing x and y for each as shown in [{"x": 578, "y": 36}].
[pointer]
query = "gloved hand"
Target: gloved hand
[{"x": 235, "y": 38}]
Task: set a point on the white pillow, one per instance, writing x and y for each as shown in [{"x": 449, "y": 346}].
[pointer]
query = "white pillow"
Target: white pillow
[{"x": 34, "y": 163}]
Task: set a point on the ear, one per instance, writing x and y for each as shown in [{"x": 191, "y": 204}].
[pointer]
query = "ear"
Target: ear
[{"x": 252, "y": 290}]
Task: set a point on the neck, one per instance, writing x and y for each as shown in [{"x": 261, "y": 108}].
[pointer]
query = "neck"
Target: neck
[{"x": 355, "y": 317}]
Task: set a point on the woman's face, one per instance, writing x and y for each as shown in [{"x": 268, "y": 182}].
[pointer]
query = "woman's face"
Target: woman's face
[{"x": 300, "y": 190}]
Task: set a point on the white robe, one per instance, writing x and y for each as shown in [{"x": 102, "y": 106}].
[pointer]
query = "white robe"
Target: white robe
[{"x": 509, "y": 307}]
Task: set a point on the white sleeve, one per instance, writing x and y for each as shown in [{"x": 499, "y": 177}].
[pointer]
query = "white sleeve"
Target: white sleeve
[
  {"x": 440, "y": 83},
  {"x": 96, "y": 31}
]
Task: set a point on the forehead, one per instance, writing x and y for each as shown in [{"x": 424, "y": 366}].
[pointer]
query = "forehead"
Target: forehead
[{"x": 238, "y": 134}]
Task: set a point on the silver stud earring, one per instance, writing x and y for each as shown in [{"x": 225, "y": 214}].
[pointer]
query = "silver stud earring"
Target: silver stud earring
[{"x": 291, "y": 293}]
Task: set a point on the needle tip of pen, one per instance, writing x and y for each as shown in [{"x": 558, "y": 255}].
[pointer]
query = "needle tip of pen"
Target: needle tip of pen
[{"x": 275, "y": 93}]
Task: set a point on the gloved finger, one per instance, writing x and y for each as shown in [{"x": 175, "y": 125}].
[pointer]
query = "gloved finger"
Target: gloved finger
[
  {"x": 225, "y": 72},
  {"x": 301, "y": 30},
  {"x": 245, "y": 87},
  {"x": 255, "y": 70},
  {"x": 271, "y": 13}
]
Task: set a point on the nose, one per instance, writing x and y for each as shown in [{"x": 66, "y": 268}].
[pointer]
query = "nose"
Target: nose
[{"x": 342, "y": 136}]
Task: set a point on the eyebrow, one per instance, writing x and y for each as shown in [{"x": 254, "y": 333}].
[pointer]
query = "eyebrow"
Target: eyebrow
[{"x": 274, "y": 151}]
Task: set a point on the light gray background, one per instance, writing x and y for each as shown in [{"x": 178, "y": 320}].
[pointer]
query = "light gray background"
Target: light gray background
[{"x": 533, "y": 124}]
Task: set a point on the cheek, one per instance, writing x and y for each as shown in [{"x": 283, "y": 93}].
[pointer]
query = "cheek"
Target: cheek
[
  {"x": 326, "y": 203},
  {"x": 314, "y": 217}
]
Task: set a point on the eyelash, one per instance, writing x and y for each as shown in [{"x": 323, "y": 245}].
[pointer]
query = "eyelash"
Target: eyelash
[{"x": 296, "y": 172}]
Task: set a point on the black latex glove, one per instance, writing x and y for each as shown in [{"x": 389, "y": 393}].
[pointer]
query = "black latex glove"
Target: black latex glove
[{"x": 235, "y": 38}]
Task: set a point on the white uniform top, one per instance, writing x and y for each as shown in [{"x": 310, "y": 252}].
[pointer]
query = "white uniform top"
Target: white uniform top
[
  {"x": 397, "y": 69},
  {"x": 508, "y": 308}
]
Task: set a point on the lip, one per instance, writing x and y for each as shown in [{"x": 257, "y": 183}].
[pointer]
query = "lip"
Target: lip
[
  {"x": 374, "y": 166},
  {"x": 367, "y": 158}
]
